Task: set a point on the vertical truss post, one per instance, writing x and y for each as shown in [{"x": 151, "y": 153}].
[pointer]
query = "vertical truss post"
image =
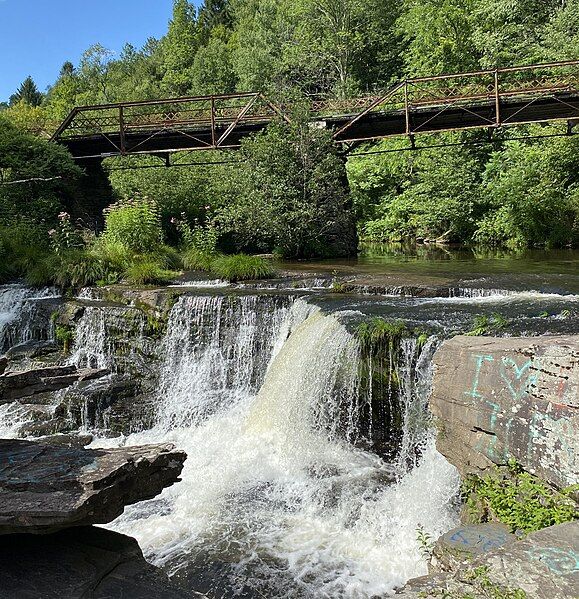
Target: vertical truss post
[
  {"x": 213, "y": 133},
  {"x": 122, "y": 130},
  {"x": 497, "y": 99},
  {"x": 406, "y": 107}
]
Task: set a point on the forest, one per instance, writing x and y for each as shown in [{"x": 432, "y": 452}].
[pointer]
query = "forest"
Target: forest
[{"x": 289, "y": 190}]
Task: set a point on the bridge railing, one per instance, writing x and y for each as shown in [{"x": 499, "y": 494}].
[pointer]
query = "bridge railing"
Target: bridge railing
[
  {"x": 465, "y": 91},
  {"x": 220, "y": 114},
  {"x": 210, "y": 120}
]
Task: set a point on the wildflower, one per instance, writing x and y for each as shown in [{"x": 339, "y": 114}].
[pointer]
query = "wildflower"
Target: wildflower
[{"x": 52, "y": 232}]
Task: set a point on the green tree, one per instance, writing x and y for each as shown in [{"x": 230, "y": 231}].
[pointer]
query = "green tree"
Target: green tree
[
  {"x": 508, "y": 32},
  {"x": 27, "y": 93},
  {"x": 290, "y": 196},
  {"x": 212, "y": 71},
  {"x": 439, "y": 36},
  {"x": 37, "y": 178},
  {"x": 179, "y": 48},
  {"x": 214, "y": 14}
]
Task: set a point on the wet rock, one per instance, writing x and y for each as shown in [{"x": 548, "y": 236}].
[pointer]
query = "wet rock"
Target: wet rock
[
  {"x": 31, "y": 349},
  {"x": 545, "y": 565},
  {"x": 80, "y": 562},
  {"x": 500, "y": 398},
  {"x": 43, "y": 426},
  {"x": 44, "y": 488},
  {"x": 68, "y": 440},
  {"x": 3, "y": 364},
  {"x": 111, "y": 402},
  {"x": 461, "y": 545},
  {"x": 18, "y": 385}
]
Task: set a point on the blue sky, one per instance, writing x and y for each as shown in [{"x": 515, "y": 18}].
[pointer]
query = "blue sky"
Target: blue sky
[{"x": 38, "y": 36}]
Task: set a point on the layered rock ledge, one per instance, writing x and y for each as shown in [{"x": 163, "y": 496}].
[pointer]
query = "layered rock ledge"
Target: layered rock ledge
[
  {"x": 45, "y": 488},
  {"x": 496, "y": 399},
  {"x": 79, "y": 563}
]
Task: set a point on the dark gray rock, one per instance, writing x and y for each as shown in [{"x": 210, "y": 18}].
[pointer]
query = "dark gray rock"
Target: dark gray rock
[
  {"x": 68, "y": 440},
  {"x": 80, "y": 563},
  {"x": 31, "y": 349},
  {"x": 3, "y": 364},
  {"x": 545, "y": 565},
  {"x": 44, "y": 488},
  {"x": 500, "y": 398},
  {"x": 112, "y": 402},
  {"x": 463, "y": 544},
  {"x": 19, "y": 385}
]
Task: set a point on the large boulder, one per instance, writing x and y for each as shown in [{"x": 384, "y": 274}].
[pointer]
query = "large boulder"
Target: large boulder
[
  {"x": 44, "y": 487},
  {"x": 80, "y": 562},
  {"x": 544, "y": 565},
  {"x": 465, "y": 543},
  {"x": 500, "y": 398}
]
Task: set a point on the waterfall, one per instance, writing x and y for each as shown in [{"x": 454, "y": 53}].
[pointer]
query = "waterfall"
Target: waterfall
[
  {"x": 322, "y": 392},
  {"x": 21, "y": 315},
  {"x": 111, "y": 337},
  {"x": 415, "y": 375},
  {"x": 263, "y": 395},
  {"x": 216, "y": 350}
]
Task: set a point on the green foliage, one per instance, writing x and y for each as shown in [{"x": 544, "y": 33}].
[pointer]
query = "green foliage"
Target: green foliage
[
  {"x": 518, "y": 499},
  {"x": 484, "y": 324},
  {"x": 379, "y": 334},
  {"x": 241, "y": 267},
  {"x": 148, "y": 271},
  {"x": 290, "y": 196},
  {"x": 425, "y": 541},
  {"x": 135, "y": 224},
  {"x": 64, "y": 337},
  {"x": 37, "y": 178},
  {"x": 22, "y": 246},
  {"x": 194, "y": 259}
]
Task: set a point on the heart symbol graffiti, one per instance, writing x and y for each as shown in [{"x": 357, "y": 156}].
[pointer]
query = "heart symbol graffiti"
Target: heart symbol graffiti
[{"x": 514, "y": 376}]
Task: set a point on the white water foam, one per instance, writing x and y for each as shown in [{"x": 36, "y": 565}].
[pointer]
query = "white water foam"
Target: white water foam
[
  {"x": 17, "y": 313},
  {"x": 271, "y": 488}
]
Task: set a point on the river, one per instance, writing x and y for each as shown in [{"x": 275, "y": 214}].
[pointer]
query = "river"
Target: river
[{"x": 286, "y": 492}]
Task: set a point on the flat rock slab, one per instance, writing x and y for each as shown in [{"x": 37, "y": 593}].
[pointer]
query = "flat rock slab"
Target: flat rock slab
[
  {"x": 80, "y": 563},
  {"x": 465, "y": 543},
  {"x": 545, "y": 565},
  {"x": 28, "y": 383},
  {"x": 44, "y": 487},
  {"x": 500, "y": 398}
]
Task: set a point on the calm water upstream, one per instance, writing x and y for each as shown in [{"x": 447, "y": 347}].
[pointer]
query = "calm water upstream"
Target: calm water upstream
[{"x": 556, "y": 271}]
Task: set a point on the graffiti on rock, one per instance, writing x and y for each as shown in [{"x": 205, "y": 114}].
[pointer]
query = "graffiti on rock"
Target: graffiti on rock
[{"x": 558, "y": 560}]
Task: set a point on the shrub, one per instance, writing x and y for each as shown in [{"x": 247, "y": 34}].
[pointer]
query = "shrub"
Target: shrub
[
  {"x": 65, "y": 337},
  {"x": 135, "y": 224},
  {"x": 73, "y": 268},
  {"x": 193, "y": 259},
  {"x": 22, "y": 246},
  {"x": 518, "y": 499},
  {"x": 241, "y": 267},
  {"x": 148, "y": 271}
]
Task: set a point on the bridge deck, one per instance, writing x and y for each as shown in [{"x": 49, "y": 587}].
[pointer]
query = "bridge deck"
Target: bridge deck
[{"x": 486, "y": 99}]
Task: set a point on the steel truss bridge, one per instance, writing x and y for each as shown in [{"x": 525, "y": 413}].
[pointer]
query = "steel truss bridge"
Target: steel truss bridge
[{"x": 543, "y": 93}]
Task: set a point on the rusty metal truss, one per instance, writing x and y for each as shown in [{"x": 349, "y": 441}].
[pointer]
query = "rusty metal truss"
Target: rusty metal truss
[{"x": 481, "y": 99}]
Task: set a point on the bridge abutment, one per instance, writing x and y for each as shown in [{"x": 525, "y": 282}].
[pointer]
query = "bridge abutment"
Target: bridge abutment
[{"x": 94, "y": 194}]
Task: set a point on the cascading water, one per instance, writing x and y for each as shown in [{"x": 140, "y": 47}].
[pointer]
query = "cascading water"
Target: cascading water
[
  {"x": 216, "y": 352},
  {"x": 21, "y": 316},
  {"x": 274, "y": 499}
]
